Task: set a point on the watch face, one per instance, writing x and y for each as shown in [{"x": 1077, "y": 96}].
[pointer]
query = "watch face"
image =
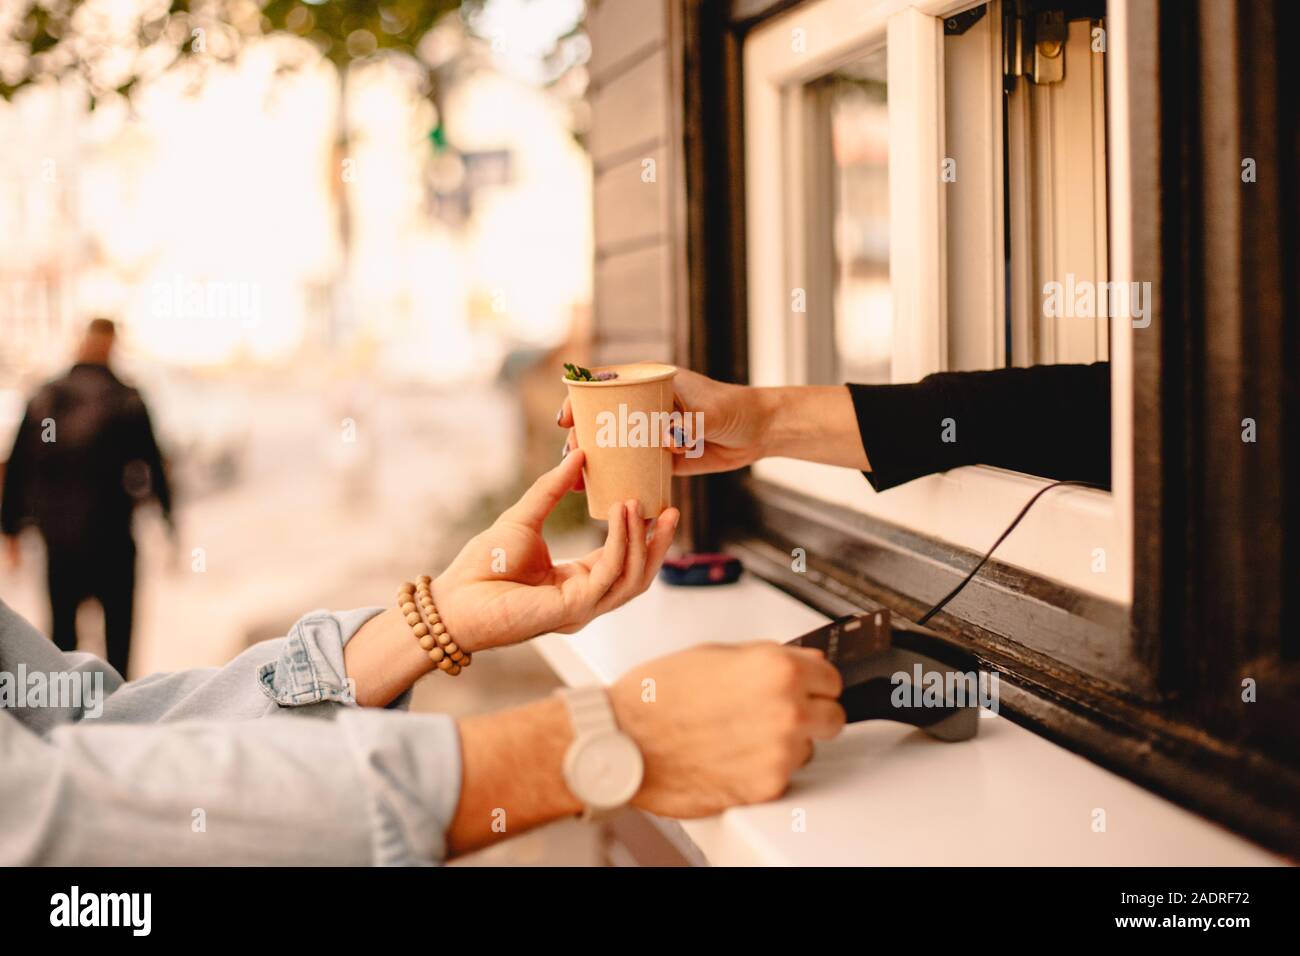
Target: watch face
[{"x": 605, "y": 770}]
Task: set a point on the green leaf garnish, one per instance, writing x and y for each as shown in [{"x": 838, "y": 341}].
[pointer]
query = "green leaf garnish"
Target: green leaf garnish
[{"x": 576, "y": 373}]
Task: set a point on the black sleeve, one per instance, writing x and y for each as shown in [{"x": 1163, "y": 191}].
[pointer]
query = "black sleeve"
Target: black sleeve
[
  {"x": 145, "y": 446},
  {"x": 15, "y": 508},
  {"x": 1047, "y": 420}
]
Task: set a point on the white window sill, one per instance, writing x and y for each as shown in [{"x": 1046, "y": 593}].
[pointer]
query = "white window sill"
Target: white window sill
[{"x": 885, "y": 793}]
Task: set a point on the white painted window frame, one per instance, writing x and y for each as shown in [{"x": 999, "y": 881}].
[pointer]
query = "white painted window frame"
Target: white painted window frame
[
  {"x": 1049, "y": 189},
  {"x": 968, "y": 507}
]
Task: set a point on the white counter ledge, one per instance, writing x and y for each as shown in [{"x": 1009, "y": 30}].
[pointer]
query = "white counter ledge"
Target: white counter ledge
[{"x": 886, "y": 794}]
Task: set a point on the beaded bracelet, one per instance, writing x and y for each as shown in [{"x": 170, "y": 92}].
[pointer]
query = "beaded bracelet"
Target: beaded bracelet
[{"x": 415, "y": 601}]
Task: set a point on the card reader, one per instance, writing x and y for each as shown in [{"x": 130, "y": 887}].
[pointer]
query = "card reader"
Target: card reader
[{"x": 897, "y": 670}]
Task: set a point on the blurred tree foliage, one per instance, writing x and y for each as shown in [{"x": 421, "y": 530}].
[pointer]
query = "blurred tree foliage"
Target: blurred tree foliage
[
  {"x": 113, "y": 50},
  {"x": 114, "y": 46}
]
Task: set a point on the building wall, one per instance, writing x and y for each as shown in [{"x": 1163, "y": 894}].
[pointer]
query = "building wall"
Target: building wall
[{"x": 638, "y": 188}]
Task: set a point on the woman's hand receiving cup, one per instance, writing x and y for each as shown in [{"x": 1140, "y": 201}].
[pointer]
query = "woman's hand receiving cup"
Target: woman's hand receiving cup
[{"x": 503, "y": 587}]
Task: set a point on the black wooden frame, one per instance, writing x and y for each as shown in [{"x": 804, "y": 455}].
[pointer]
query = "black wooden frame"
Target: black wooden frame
[{"x": 1217, "y": 520}]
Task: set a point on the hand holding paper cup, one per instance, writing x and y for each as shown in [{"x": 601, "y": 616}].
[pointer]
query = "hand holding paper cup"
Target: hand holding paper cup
[{"x": 620, "y": 415}]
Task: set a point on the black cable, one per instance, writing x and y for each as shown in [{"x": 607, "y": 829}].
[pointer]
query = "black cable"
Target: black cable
[{"x": 1002, "y": 537}]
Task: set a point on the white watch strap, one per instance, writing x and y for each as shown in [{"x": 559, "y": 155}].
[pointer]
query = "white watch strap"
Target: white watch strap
[{"x": 589, "y": 709}]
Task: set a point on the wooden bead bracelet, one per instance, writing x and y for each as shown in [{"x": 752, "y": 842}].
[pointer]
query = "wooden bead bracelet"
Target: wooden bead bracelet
[{"x": 415, "y": 601}]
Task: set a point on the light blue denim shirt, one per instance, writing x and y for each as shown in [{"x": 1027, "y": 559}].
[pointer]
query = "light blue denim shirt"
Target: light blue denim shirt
[{"x": 216, "y": 766}]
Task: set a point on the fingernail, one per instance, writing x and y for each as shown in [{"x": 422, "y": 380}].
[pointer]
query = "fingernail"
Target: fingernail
[
  {"x": 558, "y": 415},
  {"x": 564, "y": 451}
]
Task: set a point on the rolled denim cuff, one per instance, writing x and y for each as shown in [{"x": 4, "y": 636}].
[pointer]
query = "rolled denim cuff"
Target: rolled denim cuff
[
  {"x": 310, "y": 669},
  {"x": 411, "y": 772}
]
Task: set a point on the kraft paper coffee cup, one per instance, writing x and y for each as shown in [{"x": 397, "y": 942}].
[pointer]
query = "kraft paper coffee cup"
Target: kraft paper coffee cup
[{"x": 619, "y": 424}]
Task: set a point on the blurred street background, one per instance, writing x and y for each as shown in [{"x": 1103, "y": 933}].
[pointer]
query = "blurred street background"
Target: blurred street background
[{"x": 347, "y": 246}]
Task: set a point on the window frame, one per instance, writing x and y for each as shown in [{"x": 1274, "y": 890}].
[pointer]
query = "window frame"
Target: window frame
[
  {"x": 1170, "y": 737},
  {"x": 1070, "y": 532},
  {"x": 1042, "y": 177}
]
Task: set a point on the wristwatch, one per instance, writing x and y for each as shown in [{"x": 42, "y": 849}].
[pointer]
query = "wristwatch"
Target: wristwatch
[{"x": 603, "y": 765}]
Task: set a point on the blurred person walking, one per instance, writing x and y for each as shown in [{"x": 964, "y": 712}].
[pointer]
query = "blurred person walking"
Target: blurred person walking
[{"x": 84, "y": 456}]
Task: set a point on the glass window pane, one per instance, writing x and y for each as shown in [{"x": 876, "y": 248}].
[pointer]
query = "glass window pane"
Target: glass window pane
[{"x": 859, "y": 129}]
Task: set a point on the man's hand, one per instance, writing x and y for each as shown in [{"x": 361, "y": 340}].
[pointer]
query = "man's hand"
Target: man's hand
[
  {"x": 719, "y": 726},
  {"x": 503, "y": 587},
  {"x": 725, "y": 725}
]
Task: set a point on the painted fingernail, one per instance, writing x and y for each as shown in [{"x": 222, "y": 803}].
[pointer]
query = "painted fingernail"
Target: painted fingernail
[
  {"x": 564, "y": 451},
  {"x": 558, "y": 415}
]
